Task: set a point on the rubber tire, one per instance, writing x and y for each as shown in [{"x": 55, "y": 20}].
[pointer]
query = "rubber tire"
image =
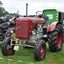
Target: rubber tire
[
  {"x": 63, "y": 34},
  {"x": 4, "y": 47},
  {"x": 37, "y": 49},
  {"x": 52, "y": 39}
]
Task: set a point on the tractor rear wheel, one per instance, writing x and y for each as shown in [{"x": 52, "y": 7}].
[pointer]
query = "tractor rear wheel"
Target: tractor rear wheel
[
  {"x": 40, "y": 50},
  {"x": 6, "y": 48},
  {"x": 55, "y": 39}
]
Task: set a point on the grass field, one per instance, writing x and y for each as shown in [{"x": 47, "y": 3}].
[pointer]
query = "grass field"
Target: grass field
[{"x": 26, "y": 56}]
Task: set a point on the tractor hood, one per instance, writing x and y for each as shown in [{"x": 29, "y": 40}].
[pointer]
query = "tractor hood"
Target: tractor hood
[
  {"x": 25, "y": 25},
  {"x": 31, "y": 19}
]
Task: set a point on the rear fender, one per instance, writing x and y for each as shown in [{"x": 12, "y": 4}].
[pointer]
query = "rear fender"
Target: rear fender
[{"x": 52, "y": 26}]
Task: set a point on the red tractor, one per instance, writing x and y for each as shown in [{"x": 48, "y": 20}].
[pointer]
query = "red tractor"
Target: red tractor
[{"x": 34, "y": 32}]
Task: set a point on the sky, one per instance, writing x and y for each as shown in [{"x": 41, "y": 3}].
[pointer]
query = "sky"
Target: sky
[{"x": 12, "y": 6}]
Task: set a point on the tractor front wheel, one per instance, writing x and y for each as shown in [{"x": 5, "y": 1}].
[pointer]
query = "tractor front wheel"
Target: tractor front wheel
[
  {"x": 40, "y": 50},
  {"x": 6, "y": 48}
]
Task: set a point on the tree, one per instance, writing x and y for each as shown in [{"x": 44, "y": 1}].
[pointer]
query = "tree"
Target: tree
[
  {"x": 1, "y": 3},
  {"x": 3, "y": 12}
]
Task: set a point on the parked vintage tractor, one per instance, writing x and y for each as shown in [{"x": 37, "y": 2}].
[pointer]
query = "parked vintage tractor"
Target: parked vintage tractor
[
  {"x": 5, "y": 26},
  {"x": 35, "y": 32},
  {"x": 55, "y": 30}
]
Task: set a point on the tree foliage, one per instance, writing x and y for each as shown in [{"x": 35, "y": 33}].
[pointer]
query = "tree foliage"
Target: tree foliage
[
  {"x": 3, "y": 12},
  {"x": 1, "y": 3}
]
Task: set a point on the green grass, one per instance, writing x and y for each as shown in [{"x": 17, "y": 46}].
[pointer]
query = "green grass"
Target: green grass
[{"x": 26, "y": 56}]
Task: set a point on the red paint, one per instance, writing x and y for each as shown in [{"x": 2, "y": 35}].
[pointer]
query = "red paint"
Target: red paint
[
  {"x": 24, "y": 26},
  {"x": 59, "y": 41},
  {"x": 52, "y": 26},
  {"x": 9, "y": 50},
  {"x": 42, "y": 52}
]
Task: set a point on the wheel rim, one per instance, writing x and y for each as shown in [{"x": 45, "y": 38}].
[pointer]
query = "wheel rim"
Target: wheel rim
[
  {"x": 59, "y": 41},
  {"x": 42, "y": 52},
  {"x": 9, "y": 50}
]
